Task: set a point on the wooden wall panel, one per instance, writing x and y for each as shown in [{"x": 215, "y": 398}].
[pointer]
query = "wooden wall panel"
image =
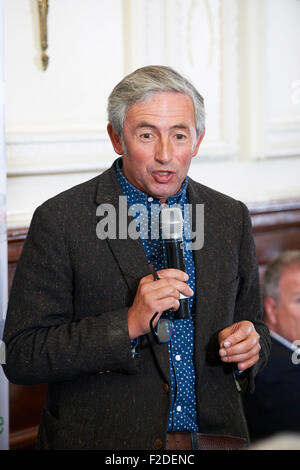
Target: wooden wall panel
[{"x": 276, "y": 227}]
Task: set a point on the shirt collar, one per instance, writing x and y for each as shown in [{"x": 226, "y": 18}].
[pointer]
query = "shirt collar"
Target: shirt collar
[
  {"x": 284, "y": 341},
  {"x": 139, "y": 196}
]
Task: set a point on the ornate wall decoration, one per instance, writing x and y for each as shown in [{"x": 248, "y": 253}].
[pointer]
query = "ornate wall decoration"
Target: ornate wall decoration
[{"x": 43, "y": 13}]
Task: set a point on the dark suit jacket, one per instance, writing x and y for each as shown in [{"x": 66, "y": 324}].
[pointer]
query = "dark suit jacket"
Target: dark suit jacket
[
  {"x": 67, "y": 322},
  {"x": 275, "y": 405}
]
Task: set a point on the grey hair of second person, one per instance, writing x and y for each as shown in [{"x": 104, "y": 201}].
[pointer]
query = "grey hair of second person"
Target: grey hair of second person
[
  {"x": 274, "y": 271},
  {"x": 142, "y": 84}
]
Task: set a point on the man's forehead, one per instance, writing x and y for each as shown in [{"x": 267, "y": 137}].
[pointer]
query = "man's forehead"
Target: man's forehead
[{"x": 176, "y": 108}]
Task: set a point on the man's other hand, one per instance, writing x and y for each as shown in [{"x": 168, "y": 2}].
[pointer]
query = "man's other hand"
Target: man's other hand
[{"x": 239, "y": 343}]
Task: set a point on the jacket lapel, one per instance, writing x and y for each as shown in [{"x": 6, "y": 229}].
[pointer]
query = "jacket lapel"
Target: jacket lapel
[{"x": 129, "y": 253}]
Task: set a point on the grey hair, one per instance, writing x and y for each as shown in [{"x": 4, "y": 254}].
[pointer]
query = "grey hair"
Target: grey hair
[
  {"x": 142, "y": 85},
  {"x": 274, "y": 271}
]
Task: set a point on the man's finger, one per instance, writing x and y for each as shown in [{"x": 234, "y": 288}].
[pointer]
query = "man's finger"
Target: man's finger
[
  {"x": 173, "y": 287},
  {"x": 173, "y": 273},
  {"x": 243, "y": 347},
  {"x": 235, "y": 334},
  {"x": 243, "y": 356},
  {"x": 247, "y": 364}
]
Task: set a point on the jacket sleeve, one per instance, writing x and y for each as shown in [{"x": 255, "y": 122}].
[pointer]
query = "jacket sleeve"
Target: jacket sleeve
[
  {"x": 43, "y": 341},
  {"x": 248, "y": 302}
]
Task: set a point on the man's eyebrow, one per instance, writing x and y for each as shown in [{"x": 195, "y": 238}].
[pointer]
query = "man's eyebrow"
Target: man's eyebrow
[
  {"x": 145, "y": 124},
  {"x": 151, "y": 126},
  {"x": 180, "y": 126}
]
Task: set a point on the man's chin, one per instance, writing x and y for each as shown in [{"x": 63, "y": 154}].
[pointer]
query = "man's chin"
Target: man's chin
[{"x": 164, "y": 196}]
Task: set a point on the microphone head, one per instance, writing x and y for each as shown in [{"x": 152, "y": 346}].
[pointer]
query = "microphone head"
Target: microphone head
[{"x": 171, "y": 223}]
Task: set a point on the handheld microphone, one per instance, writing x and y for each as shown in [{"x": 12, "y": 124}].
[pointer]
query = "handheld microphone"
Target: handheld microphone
[{"x": 172, "y": 228}]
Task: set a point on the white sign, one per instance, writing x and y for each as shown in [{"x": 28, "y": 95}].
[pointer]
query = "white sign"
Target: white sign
[{"x": 4, "y": 401}]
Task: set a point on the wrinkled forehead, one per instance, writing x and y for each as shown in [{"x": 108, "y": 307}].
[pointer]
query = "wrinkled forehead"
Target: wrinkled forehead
[{"x": 164, "y": 107}]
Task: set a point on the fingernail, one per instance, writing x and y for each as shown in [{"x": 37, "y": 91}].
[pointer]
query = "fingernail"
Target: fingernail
[
  {"x": 227, "y": 344},
  {"x": 222, "y": 352}
]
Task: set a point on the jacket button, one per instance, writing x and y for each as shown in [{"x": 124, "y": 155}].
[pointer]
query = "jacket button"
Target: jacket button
[
  {"x": 157, "y": 444},
  {"x": 166, "y": 388}
]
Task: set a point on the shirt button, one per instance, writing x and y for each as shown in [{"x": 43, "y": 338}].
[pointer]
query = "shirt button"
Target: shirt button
[
  {"x": 178, "y": 357},
  {"x": 166, "y": 388},
  {"x": 157, "y": 444},
  {"x": 150, "y": 199},
  {"x": 178, "y": 408}
]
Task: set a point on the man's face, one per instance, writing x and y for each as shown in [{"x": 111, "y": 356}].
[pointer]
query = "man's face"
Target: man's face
[
  {"x": 287, "y": 309},
  {"x": 160, "y": 136}
]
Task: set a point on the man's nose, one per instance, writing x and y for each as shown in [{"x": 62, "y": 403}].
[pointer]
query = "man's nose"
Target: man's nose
[{"x": 163, "y": 150}]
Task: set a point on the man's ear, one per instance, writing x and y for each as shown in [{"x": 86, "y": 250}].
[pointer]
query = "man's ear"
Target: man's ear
[
  {"x": 115, "y": 139},
  {"x": 198, "y": 142},
  {"x": 270, "y": 311}
]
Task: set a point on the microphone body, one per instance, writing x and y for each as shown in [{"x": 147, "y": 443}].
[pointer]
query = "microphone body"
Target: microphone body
[{"x": 172, "y": 227}]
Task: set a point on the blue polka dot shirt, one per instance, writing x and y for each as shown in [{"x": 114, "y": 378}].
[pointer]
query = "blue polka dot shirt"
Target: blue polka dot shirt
[{"x": 183, "y": 415}]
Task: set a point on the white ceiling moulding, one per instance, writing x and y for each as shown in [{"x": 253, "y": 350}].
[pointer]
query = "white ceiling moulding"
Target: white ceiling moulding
[
  {"x": 253, "y": 84},
  {"x": 199, "y": 39},
  {"x": 284, "y": 138},
  {"x": 206, "y": 35},
  {"x": 283, "y": 72},
  {"x": 270, "y": 85},
  {"x": 144, "y": 26},
  {"x": 18, "y": 219},
  {"x": 208, "y": 32},
  {"x": 57, "y": 152}
]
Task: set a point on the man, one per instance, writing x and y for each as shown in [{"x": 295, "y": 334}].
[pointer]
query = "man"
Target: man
[
  {"x": 82, "y": 302},
  {"x": 274, "y": 407}
]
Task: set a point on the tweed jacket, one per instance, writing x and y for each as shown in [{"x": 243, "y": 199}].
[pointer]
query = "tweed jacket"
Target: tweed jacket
[{"x": 67, "y": 322}]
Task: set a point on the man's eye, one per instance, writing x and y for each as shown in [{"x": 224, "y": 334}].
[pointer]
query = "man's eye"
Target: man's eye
[
  {"x": 180, "y": 136},
  {"x": 146, "y": 136}
]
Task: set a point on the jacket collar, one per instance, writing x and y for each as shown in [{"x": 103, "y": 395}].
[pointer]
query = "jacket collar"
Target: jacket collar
[{"x": 129, "y": 253}]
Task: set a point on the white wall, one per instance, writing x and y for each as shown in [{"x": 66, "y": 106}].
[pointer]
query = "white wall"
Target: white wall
[{"x": 243, "y": 55}]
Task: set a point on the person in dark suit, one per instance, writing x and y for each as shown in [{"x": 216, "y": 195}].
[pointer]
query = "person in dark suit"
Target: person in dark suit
[
  {"x": 83, "y": 298},
  {"x": 274, "y": 406}
]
